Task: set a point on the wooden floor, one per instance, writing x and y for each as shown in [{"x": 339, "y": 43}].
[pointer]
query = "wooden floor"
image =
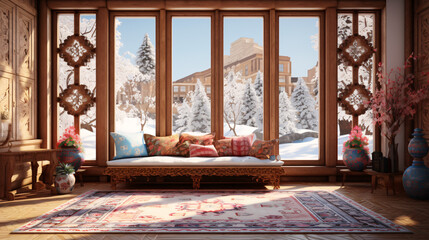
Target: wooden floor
[{"x": 402, "y": 210}]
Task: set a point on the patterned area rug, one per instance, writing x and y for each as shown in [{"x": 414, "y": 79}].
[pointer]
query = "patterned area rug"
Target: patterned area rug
[{"x": 185, "y": 211}]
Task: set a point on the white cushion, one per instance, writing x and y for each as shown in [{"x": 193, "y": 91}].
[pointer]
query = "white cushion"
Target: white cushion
[{"x": 170, "y": 161}]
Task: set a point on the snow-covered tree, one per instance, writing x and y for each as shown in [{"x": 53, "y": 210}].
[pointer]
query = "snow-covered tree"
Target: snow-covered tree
[
  {"x": 146, "y": 58},
  {"x": 287, "y": 115},
  {"x": 250, "y": 106},
  {"x": 305, "y": 106},
  {"x": 259, "y": 86},
  {"x": 184, "y": 115},
  {"x": 232, "y": 99},
  {"x": 200, "y": 109}
]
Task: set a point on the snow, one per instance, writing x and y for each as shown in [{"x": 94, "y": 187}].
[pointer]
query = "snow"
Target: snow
[
  {"x": 241, "y": 130},
  {"x": 88, "y": 144}
]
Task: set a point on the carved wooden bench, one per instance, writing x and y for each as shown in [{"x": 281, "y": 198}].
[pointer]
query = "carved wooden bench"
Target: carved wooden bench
[{"x": 269, "y": 175}]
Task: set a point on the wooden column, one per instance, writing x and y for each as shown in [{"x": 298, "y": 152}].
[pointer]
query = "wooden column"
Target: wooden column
[
  {"x": 102, "y": 82},
  {"x": 331, "y": 87},
  {"x": 44, "y": 76},
  {"x": 273, "y": 87},
  {"x": 161, "y": 116}
]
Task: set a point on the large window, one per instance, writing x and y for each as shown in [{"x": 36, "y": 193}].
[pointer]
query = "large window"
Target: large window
[
  {"x": 191, "y": 61},
  {"x": 135, "y": 74},
  {"x": 299, "y": 101},
  {"x": 243, "y": 90}
]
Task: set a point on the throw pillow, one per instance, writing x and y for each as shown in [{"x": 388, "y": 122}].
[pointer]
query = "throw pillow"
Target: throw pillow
[
  {"x": 263, "y": 149},
  {"x": 223, "y": 147},
  {"x": 241, "y": 145},
  {"x": 201, "y": 140},
  {"x": 180, "y": 150},
  {"x": 161, "y": 146},
  {"x": 197, "y": 150},
  {"x": 129, "y": 145}
]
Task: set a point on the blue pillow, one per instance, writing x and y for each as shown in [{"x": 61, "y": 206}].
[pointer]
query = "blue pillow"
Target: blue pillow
[{"x": 129, "y": 145}]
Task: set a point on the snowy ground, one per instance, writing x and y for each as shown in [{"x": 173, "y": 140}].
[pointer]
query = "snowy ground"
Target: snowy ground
[{"x": 306, "y": 149}]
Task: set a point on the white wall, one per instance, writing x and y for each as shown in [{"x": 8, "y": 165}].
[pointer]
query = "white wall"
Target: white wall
[{"x": 395, "y": 56}]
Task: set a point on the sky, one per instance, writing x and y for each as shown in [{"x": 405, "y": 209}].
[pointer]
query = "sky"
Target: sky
[{"x": 191, "y": 40}]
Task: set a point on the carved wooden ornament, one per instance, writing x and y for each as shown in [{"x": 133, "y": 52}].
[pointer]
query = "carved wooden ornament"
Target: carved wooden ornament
[
  {"x": 352, "y": 99},
  {"x": 355, "y": 50},
  {"x": 76, "y": 50},
  {"x": 76, "y": 99}
]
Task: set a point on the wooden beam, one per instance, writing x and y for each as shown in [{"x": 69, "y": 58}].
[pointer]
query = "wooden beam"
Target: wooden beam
[
  {"x": 310, "y": 171},
  {"x": 331, "y": 87},
  {"x": 271, "y": 95},
  {"x": 44, "y": 75},
  {"x": 361, "y": 4},
  {"x": 161, "y": 102},
  {"x": 102, "y": 83},
  {"x": 76, "y": 4}
]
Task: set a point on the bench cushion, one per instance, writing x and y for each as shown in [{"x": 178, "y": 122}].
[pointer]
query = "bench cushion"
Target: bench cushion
[{"x": 174, "y": 161}]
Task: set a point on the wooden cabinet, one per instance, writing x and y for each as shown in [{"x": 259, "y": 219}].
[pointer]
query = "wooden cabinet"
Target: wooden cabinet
[{"x": 17, "y": 66}]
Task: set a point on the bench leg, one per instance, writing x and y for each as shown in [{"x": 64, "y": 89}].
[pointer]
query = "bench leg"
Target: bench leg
[
  {"x": 196, "y": 181},
  {"x": 275, "y": 181}
]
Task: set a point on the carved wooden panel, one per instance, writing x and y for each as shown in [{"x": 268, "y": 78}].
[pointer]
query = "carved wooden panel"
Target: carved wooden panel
[
  {"x": 6, "y": 37},
  {"x": 25, "y": 109},
  {"x": 423, "y": 40},
  {"x": 25, "y": 44},
  {"x": 6, "y": 94}
]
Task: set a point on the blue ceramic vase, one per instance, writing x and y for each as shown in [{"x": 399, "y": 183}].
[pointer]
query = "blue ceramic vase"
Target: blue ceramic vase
[
  {"x": 355, "y": 159},
  {"x": 416, "y": 177},
  {"x": 71, "y": 156}
]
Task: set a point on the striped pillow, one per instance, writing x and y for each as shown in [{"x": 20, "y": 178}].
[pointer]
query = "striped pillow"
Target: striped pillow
[{"x": 197, "y": 150}]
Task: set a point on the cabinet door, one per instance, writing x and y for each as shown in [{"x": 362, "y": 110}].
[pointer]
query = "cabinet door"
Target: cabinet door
[
  {"x": 6, "y": 37},
  {"x": 25, "y": 108},
  {"x": 6, "y": 90},
  {"x": 25, "y": 43}
]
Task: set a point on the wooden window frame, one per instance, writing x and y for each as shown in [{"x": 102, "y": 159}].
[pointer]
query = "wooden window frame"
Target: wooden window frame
[{"x": 322, "y": 85}]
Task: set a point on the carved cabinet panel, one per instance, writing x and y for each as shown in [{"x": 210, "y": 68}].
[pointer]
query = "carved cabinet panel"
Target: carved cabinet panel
[
  {"x": 25, "y": 43},
  {"x": 25, "y": 109},
  {"x": 6, "y": 37},
  {"x": 6, "y": 90}
]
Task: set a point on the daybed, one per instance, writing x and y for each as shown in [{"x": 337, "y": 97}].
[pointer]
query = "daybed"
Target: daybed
[{"x": 266, "y": 171}]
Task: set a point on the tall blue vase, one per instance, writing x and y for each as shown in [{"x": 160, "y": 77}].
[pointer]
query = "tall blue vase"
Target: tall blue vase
[{"x": 416, "y": 177}]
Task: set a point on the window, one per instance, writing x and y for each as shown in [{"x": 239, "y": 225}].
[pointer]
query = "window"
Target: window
[
  {"x": 209, "y": 90},
  {"x": 243, "y": 95},
  {"x": 176, "y": 89},
  {"x": 246, "y": 70},
  {"x": 364, "y": 76},
  {"x": 282, "y": 79},
  {"x": 299, "y": 110},
  {"x": 282, "y": 89},
  {"x": 135, "y": 74},
  {"x": 191, "y": 62},
  {"x": 85, "y": 124}
]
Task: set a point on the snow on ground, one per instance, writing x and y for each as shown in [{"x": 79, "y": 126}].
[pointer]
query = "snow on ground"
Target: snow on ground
[
  {"x": 88, "y": 143},
  {"x": 133, "y": 125},
  {"x": 241, "y": 130}
]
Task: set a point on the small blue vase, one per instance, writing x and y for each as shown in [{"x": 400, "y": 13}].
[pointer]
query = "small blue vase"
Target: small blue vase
[
  {"x": 355, "y": 159},
  {"x": 416, "y": 177}
]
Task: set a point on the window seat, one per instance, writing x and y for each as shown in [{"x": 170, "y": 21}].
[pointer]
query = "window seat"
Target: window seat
[{"x": 122, "y": 170}]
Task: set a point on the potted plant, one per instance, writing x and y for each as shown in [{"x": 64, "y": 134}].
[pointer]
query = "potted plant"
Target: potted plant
[
  {"x": 356, "y": 151},
  {"x": 64, "y": 179},
  {"x": 396, "y": 101},
  {"x": 72, "y": 149}
]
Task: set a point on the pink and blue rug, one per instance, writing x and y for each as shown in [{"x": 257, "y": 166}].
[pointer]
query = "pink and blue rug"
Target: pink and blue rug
[{"x": 181, "y": 211}]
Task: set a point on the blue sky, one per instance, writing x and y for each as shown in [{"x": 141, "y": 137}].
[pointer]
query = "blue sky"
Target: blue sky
[{"x": 191, "y": 40}]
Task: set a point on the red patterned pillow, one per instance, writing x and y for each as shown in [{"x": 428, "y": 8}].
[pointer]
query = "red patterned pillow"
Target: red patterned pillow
[
  {"x": 180, "y": 150},
  {"x": 263, "y": 149},
  {"x": 223, "y": 147},
  {"x": 241, "y": 145},
  {"x": 201, "y": 140},
  {"x": 160, "y": 146},
  {"x": 197, "y": 150}
]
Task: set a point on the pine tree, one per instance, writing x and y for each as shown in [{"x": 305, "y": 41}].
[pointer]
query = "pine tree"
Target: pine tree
[
  {"x": 305, "y": 106},
  {"x": 183, "y": 121},
  {"x": 250, "y": 106},
  {"x": 259, "y": 87},
  {"x": 287, "y": 115},
  {"x": 200, "y": 110},
  {"x": 146, "y": 58}
]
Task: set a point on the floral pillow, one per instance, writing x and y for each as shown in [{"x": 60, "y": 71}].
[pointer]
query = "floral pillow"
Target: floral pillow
[
  {"x": 223, "y": 147},
  {"x": 201, "y": 140},
  {"x": 161, "y": 146},
  {"x": 263, "y": 149},
  {"x": 241, "y": 145},
  {"x": 197, "y": 150},
  {"x": 129, "y": 145},
  {"x": 180, "y": 150}
]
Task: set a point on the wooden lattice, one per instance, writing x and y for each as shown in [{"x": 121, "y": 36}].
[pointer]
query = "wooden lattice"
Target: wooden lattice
[
  {"x": 76, "y": 99},
  {"x": 76, "y": 50},
  {"x": 355, "y": 50},
  {"x": 352, "y": 99}
]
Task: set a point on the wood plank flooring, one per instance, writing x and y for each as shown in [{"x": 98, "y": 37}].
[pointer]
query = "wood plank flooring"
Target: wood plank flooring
[{"x": 402, "y": 210}]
